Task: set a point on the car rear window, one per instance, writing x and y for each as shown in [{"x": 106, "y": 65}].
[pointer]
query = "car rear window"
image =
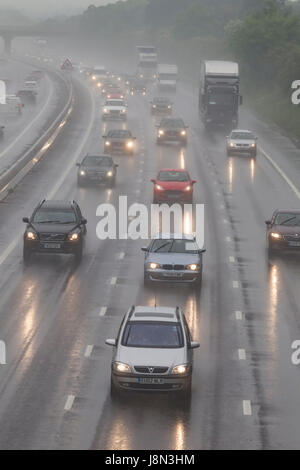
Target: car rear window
[{"x": 152, "y": 335}]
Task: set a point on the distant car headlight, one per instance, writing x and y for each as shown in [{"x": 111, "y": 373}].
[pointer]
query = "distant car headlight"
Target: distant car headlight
[
  {"x": 183, "y": 133},
  {"x": 73, "y": 236},
  {"x": 188, "y": 188},
  {"x": 154, "y": 106},
  {"x": 159, "y": 187},
  {"x": 180, "y": 369},
  {"x": 231, "y": 144},
  {"x": 31, "y": 235},
  {"x": 82, "y": 172},
  {"x": 121, "y": 367},
  {"x": 109, "y": 174},
  {"x": 123, "y": 111},
  {"x": 99, "y": 85},
  {"x": 169, "y": 107},
  {"x": 107, "y": 143},
  {"x": 253, "y": 145},
  {"x": 105, "y": 110},
  {"x": 276, "y": 235},
  {"x": 153, "y": 265},
  {"x": 161, "y": 132},
  {"x": 192, "y": 267},
  {"x": 94, "y": 77},
  {"x": 129, "y": 144}
]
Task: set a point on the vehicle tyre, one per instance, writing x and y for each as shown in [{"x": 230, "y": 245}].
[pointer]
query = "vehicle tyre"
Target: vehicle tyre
[
  {"x": 78, "y": 254},
  {"x": 198, "y": 283},
  {"x": 114, "y": 393},
  {"x": 112, "y": 183},
  {"x": 80, "y": 182},
  {"x": 147, "y": 282},
  {"x": 253, "y": 154},
  {"x": 26, "y": 255}
]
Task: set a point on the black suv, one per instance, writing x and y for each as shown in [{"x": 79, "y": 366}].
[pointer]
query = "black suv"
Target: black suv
[
  {"x": 54, "y": 227},
  {"x": 172, "y": 130}
]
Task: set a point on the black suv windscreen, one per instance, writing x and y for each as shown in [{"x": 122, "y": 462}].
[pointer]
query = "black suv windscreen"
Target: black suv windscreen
[
  {"x": 288, "y": 219},
  {"x": 58, "y": 216},
  {"x": 172, "y": 176},
  {"x": 152, "y": 335},
  {"x": 175, "y": 123},
  {"x": 172, "y": 245},
  {"x": 97, "y": 161}
]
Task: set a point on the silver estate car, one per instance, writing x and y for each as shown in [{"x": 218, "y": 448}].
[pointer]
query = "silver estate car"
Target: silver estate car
[
  {"x": 242, "y": 141},
  {"x": 173, "y": 258},
  {"x": 153, "y": 351}
]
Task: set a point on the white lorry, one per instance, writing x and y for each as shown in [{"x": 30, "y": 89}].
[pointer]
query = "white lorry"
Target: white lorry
[{"x": 167, "y": 77}]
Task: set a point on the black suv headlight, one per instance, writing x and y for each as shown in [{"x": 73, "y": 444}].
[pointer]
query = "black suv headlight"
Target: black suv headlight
[
  {"x": 31, "y": 235},
  {"x": 74, "y": 236}
]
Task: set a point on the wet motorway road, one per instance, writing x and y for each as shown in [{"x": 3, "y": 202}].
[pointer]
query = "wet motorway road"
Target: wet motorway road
[{"x": 246, "y": 316}]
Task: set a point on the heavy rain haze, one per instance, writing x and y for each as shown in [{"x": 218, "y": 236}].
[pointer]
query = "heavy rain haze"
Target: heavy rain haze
[{"x": 36, "y": 9}]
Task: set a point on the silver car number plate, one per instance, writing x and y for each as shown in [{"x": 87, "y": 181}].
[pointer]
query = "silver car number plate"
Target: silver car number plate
[
  {"x": 150, "y": 381},
  {"x": 52, "y": 245}
]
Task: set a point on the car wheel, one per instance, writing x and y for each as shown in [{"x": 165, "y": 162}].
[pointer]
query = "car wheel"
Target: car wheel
[
  {"x": 147, "y": 282},
  {"x": 80, "y": 182},
  {"x": 198, "y": 283},
  {"x": 78, "y": 255},
  {"x": 26, "y": 255},
  {"x": 253, "y": 154},
  {"x": 112, "y": 183}
]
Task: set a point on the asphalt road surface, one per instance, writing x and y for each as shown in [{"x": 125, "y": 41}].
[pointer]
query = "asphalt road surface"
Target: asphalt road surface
[{"x": 55, "y": 316}]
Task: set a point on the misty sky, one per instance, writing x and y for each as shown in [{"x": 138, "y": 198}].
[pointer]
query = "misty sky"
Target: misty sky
[{"x": 42, "y": 8}]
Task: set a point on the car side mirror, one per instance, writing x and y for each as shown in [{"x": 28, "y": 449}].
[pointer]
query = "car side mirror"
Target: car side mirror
[
  {"x": 104, "y": 136},
  {"x": 268, "y": 222},
  {"x": 77, "y": 164},
  {"x": 111, "y": 342},
  {"x": 83, "y": 221},
  {"x": 116, "y": 165},
  {"x": 194, "y": 345},
  {"x": 194, "y": 181},
  {"x": 145, "y": 248},
  {"x": 25, "y": 220},
  {"x": 203, "y": 250},
  {"x": 153, "y": 180}
]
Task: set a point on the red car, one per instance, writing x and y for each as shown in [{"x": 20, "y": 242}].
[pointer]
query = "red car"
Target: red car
[{"x": 173, "y": 185}]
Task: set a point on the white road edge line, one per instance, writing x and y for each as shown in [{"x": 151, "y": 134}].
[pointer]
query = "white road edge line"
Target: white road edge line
[
  {"x": 235, "y": 284},
  {"x": 69, "y": 402},
  {"x": 121, "y": 255},
  {"x": 281, "y": 173},
  {"x": 231, "y": 259},
  {"x": 247, "y": 409},
  {"x": 113, "y": 281}
]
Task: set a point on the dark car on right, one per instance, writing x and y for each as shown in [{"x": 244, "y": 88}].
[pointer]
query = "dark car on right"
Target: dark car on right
[
  {"x": 283, "y": 230},
  {"x": 172, "y": 130}
]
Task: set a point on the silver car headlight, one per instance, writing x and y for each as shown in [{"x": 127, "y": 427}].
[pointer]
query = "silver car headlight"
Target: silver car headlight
[
  {"x": 153, "y": 265},
  {"x": 192, "y": 267},
  {"x": 180, "y": 369},
  {"x": 121, "y": 367}
]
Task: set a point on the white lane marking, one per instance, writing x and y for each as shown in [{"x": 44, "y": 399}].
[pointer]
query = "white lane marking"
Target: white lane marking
[
  {"x": 103, "y": 311},
  {"x": 69, "y": 402},
  {"x": 242, "y": 354},
  {"x": 235, "y": 284},
  {"x": 30, "y": 124},
  {"x": 113, "y": 281},
  {"x": 228, "y": 239},
  {"x": 88, "y": 350},
  {"x": 232, "y": 259},
  {"x": 225, "y": 221},
  {"x": 247, "y": 409},
  {"x": 121, "y": 255},
  {"x": 50, "y": 195},
  {"x": 222, "y": 207},
  {"x": 281, "y": 173},
  {"x": 239, "y": 315}
]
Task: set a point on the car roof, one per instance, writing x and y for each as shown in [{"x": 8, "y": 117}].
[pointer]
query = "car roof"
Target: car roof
[
  {"x": 181, "y": 170},
  {"x": 49, "y": 204},
  {"x": 288, "y": 211},
  {"x": 98, "y": 156},
  {"x": 178, "y": 236},
  {"x": 242, "y": 130},
  {"x": 146, "y": 313}
]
